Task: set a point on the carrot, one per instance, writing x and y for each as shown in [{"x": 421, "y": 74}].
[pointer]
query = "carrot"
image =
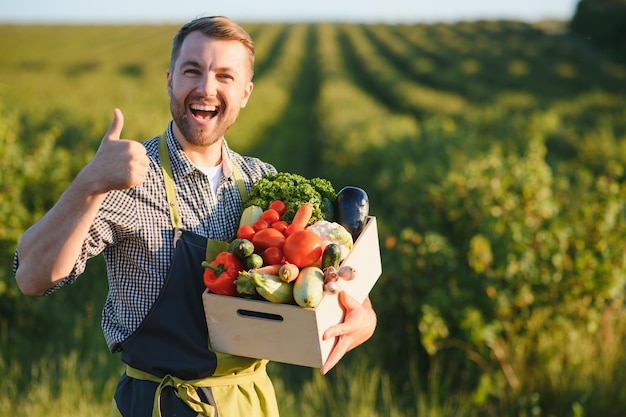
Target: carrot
[
  {"x": 288, "y": 272},
  {"x": 269, "y": 269},
  {"x": 300, "y": 219}
]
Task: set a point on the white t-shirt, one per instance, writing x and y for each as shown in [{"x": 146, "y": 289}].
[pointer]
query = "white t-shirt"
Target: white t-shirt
[{"x": 214, "y": 174}]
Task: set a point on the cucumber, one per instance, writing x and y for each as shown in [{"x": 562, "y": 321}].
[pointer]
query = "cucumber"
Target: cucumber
[
  {"x": 331, "y": 256},
  {"x": 241, "y": 248},
  {"x": 254, "y": 261},
  {"x": 308, "y": 288}
]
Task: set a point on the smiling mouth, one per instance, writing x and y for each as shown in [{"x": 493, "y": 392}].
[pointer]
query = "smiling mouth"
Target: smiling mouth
[{"x": 204, "y": 111}]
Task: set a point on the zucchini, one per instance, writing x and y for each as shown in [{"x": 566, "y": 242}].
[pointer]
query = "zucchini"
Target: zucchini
[
  {"x": 308, "y": 288},
  {"x": 250, "y": 215}
]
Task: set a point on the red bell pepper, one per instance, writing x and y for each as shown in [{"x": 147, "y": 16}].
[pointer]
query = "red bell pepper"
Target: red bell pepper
[{"x": 219, "y": 275}]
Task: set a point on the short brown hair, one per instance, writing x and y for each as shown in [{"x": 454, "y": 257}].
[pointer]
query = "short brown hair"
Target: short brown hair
[{"x": 217, "y": 27}]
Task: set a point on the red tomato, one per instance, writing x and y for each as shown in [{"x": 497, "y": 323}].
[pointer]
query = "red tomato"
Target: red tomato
[
  {"x": 260, "y": 225},
  {"x": 303, "y": 248},
  {"x": 245, "y": 232},
  {"x": 280, "y": 225},
  {"x": 279, "y": 206},
  {"x": 270, "y": 216},
  {"x": 272, "y": 255},
  {"x": 266, "y": 238}
]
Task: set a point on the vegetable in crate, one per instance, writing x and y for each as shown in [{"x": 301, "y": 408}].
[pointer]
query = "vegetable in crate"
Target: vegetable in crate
[
  {"x": 301, "y": 219},
  {"x": 267, "y": 238},
  {"x": 331, "y": 256},
  {"x": 220, "y": 275},
  {"x": 245, "y": 286},
  {"x": 268, "y": 286},
  {"x": 241, "y": 247},
  {"x": 332, "y": 232},
  {"x": 303, "y": 248},
  {"x": 249, "y": 215},
  {"x": 331, "y": 280},
  {"x": 308, "y": 288},
  {"x": 254, "y": 261},
  {"x": 288, "y": 272},
  {"x": 294, "y": 190},
  {"x": 352, "y": 209}
]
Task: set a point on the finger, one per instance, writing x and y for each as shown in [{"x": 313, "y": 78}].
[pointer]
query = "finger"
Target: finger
[
  {"x": 115, "y": 129},
  {"x": 347, "y": 302},
  {"x": 337, "y": 352},
  {"x": 333, "y": 359},
  {"x": 336, "y": 330}
]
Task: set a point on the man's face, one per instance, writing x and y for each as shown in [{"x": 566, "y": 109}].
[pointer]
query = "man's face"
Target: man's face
[{"x": 209, "y": 84}]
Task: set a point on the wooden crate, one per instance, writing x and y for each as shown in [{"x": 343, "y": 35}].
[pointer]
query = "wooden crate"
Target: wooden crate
[{"x": 290, "y": 333}]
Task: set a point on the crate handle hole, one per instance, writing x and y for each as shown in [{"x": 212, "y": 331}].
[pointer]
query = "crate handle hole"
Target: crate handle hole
[{"x": 259, "y": 315}]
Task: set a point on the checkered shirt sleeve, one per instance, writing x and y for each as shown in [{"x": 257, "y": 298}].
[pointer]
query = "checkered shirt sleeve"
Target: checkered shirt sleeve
[{"x": 134, "y": 233}]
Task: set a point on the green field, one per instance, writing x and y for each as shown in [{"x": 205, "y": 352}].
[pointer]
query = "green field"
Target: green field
[{"x": 494, "y": 155}]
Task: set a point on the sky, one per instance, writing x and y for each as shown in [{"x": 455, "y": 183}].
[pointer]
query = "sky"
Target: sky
[{"x": 364, "y": 11}]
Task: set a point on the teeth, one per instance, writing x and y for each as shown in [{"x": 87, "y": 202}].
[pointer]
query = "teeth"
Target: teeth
[{"x": 202, "y": 107}]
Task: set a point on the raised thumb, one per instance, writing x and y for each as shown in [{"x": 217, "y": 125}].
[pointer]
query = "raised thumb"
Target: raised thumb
[{"x": 115, "y": 130}]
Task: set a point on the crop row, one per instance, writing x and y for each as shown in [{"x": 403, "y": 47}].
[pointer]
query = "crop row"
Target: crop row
[
  {"x": 351, "y": 119},
  {"x": 492, "y": 153},
  {"x": 268, "y": 41},
  {"x": 403, "y": 92},
  {"x": 272, "y": 89}
]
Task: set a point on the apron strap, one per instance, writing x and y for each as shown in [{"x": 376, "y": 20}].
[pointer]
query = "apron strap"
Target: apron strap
[
  {"x": 170, "y": 192},
  {"x": 186, "y": 389},
  {"x": 243, "y": 193}
]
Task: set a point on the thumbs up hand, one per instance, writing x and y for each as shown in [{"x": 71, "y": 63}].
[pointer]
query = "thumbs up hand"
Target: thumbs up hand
[{"x": 119, "y": 163}]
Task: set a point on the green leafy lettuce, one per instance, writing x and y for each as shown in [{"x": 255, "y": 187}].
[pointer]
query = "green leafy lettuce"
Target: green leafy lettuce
[{"x": 294, "y": 190}]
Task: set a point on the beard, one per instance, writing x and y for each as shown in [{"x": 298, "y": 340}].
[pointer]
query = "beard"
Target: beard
[{"x": 200, "y": 136}]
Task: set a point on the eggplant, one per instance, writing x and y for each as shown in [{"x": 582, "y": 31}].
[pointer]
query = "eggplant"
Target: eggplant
[{"x": 352, "y": 209}]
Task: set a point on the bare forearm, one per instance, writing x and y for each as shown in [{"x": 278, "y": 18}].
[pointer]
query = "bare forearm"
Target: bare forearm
[{"x": 48, "y": 250}]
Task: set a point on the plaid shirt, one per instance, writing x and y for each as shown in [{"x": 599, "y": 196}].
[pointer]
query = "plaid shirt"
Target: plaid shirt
[{"x": 134, "y": 231}]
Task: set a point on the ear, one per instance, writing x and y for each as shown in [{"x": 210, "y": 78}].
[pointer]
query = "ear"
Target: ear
[
  {"x": 169, "y": 83},
  {"x": 246, "y": 94}
]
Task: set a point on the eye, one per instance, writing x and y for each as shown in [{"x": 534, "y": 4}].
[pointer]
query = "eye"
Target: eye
[
  {"x": 191, "y": 71},
  {"x": 226, "y": 77}
]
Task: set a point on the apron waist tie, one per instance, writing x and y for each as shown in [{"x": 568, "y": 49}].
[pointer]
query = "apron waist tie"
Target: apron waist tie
[{"x": 186, "y": 388}]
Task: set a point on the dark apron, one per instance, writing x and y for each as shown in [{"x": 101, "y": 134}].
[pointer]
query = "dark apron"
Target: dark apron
[{"x": 171, "y": 370}]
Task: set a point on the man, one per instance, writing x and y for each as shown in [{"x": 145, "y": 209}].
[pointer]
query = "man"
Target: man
[{"x": 152, "y": 209}]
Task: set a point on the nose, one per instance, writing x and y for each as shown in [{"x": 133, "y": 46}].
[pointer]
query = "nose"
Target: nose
[{"x": 208, "y": 85}]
